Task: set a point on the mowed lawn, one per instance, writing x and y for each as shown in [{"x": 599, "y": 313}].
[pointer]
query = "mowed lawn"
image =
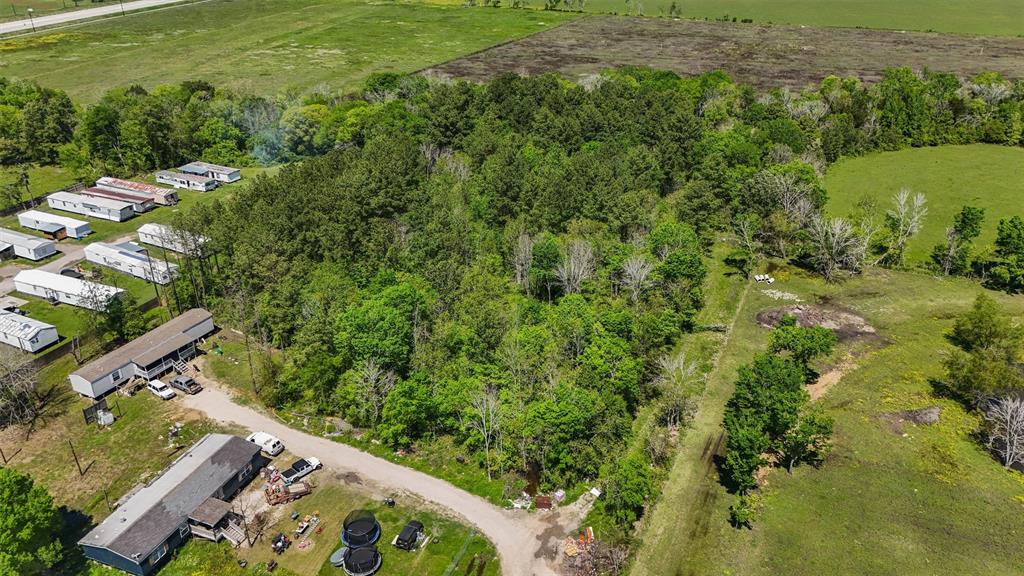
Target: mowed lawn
[
  {"x": 889, "y": 500},
  {"x": 263, "y": 46},
  {"x": 987, "y": 176},
  {"x": 985, "y": 17}
]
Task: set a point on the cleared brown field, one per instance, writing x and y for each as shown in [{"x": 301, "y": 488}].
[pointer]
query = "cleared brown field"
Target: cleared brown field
[{"x": 766, "y": 56}]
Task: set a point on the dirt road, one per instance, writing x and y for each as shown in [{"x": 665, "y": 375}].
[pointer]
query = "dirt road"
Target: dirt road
[
  {"x": 526, "y": 542},
  {"x": 27, "y": 25}
]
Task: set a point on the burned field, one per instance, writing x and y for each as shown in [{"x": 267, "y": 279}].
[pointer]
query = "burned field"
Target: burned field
[{"x": 765, "y": 56}]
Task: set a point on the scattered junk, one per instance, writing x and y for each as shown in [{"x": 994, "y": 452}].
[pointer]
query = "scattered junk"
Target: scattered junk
[
  {"x": 360, "y": 529},
  {"x": 523, "y": 502},
  {"x": 310, "y": 525},
  {"x": 277, "y": 493},
  {"x": 410, "y": 537},
  {"x": 271, "y": 566},
  {"x": 543, "y": 502},
  {"x": 104, "y": 418},
  {"x": 389, "y": 502},
  {"x": 595, "y": 492},
  {"x": 766, "y": 278},
  {"x": 361, "y": 561},
  {"x": 582, "y": 543},
  {"x": 559, "y": 496},
  {"x": 280, "y": 543}
]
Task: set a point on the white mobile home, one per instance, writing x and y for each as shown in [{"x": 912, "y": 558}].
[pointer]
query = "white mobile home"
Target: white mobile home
[
  {"x": 25, "y": 333},
  {"x": 73, "y": 291},
  {"x": 140, "y": 203},
  {"x": 148, "y": 356},
  {"x": 104, "y": 208},
  {"x": 218, "y": 173},
  {"x": 46, "y": 222},
  {"x": 187, "y": 181},
  {"x": 164, "y": 236},
  {"x": 130, "y": 258},
  {"x": 27, "y": 246},
  {"x": 160, "y": 195}
]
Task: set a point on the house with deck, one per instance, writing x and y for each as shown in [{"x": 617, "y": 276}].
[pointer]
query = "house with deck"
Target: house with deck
[
  {"x": 55, "y": 226},
  {"x": 162, "y": 196},
  {"x": 219, "y": 173},
  {"x": 164, "y": 348},
  {"x": 191, "y": 497},
  {"x": 130, "y": 258}
]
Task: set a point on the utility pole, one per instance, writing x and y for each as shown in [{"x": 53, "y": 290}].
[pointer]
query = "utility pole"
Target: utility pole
[
  {"x": 122, "y": 7},
  {"x": 77, "y": 463},
  {"x": 30, "y": 20}
]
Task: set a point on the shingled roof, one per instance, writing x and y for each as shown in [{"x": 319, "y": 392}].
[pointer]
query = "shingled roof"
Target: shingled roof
[{"x": 152, "y": 514}]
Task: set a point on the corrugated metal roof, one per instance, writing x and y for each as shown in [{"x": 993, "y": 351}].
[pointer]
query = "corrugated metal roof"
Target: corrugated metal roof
[
  {"x": 21, "y": 326},
  {"x": 55, "y": 218},
  {"x": 64, "y": 283},
  {"x": 125, "y": 196},
  {"x": 118, "y": 183},
  {"x": 90, "y": 201},
  {"x": 152, "y": 514},
  {"x": 147, "y": 348}
]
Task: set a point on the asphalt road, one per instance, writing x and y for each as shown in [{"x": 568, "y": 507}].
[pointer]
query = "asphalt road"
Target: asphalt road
[
  {"x": 76, "y": 15},
  {"x": 527, "y": 543}
]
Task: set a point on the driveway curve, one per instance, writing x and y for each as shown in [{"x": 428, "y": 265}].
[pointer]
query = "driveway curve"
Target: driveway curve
[{"x": 523, "y": 540}]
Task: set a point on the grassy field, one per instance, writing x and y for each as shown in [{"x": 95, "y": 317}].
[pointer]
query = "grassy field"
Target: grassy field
[
  {"x": 915, "y": 500},
  {"x": 263, "y": 46},
  {"x": 991, "y": 17},
  {"x": 41, "y": 179},
  {"x": 981, "y": 175}
]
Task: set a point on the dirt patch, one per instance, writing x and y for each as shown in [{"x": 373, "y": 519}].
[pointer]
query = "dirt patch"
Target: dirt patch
[
  {"x": 920, "y": 417},
  {"x": 765, "y": 56},
  {"x": 829, "y": 379},
  {"x": 846, "y": 325}
]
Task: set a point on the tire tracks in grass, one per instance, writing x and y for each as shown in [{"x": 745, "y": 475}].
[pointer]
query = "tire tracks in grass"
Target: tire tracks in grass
[{"x": 689, "y": 494}]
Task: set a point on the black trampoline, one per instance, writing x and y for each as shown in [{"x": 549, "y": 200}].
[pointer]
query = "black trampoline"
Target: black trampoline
[
  {"x": 362, "y": 561},
  {"x": 360, "y": 529}
]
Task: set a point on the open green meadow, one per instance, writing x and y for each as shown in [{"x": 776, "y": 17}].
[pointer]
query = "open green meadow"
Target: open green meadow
[
  {"x": 986, "y": 17},
  {"x": 261, "y": 46},
  {"x": 987, "y": 176}
]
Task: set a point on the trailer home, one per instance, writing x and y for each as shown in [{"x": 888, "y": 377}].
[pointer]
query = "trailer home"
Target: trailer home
[
  {"x": 148, "y": 356},
  {"x": 104, "y": 208},
  {"x": 26, "y": 245},
  {"x": 140, "y": 202},
  {"x": 160, "y": 195},
  {"x": 219, "y": 173},
  {"x": 131, "y": 258},
  {"x": 187, "y": 181},
  {"x": 25, "y": 333},
  {"x": 65, "y": 289},
  {"x": 58, "y": 227},
  {"x": 165, "y": 237}
]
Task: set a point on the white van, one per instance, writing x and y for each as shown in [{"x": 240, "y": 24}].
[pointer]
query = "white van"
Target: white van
[{"x": 269, "y": 444}]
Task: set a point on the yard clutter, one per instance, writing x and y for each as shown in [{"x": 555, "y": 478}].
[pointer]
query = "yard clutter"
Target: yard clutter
[{"x": 278, "y": 493}]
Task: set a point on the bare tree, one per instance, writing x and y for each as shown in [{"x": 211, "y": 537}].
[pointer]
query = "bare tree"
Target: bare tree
[
  {"x": 375, "y": 383},
  {"x": 636, "y": 272},
  {"x": 522, "y": 256},
  {"x": 838, "y": 246},
  {"x": 748, "y": 229},
  {"x": 678, "y": 382},
  {"x": 19, "y": 403},
  {"x": 904, "y": 221},
  {"x": 577, "y": 266},
  {"x": 953, "y": 247},
  {"x": 1005, "y": 417},
  {"x": 484, "y": 418}
]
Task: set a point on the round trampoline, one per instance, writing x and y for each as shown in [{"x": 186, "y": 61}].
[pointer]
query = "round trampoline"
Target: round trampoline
[
  {"x": 362, "y": 561},
  {"x": 360, "y": 529}
]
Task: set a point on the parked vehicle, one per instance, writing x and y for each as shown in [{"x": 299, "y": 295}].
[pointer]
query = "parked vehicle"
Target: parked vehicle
[
  {"x": 410, "y": 536},
  {"x": 268, "y": 443},
  {"x": 160, "y": 389},
  {"x": 278, "y": 493},
  {"x": 300, "y": 469},
  {"x": 186, "y": 384}
]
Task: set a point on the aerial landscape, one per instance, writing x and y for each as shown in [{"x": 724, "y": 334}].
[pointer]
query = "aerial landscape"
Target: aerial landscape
[{"x": 511, "y": 287}]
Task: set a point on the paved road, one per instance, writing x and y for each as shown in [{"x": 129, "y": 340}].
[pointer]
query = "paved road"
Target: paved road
[
  {"x": 75, "y": 15},
  {"x": 525, "y": 541}
]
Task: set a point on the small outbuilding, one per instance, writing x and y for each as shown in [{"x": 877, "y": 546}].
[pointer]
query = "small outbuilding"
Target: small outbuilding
[
  {"x": 360, "y": 529},
  {"x": 105, "y": 208},
  {"x": 65, "y": 289},
  {"x": 140, "y": 202},
  {"x": 164, "y": 236},
  {"x": 186, "y": 181},
  {"x": 53, "y": 225},
  {"x": 189, "y": 498},
  {"x": 160, "y": 350},
  {"x": 26, "y": 245},
  {"x": 130, "y": 258},
  {"x": 26, "y": 333},
  {"x": 219, "y": 173},
  {"x": 162, "y": 196}
]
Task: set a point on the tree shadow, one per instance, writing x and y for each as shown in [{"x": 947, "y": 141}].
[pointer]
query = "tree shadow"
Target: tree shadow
[{"x": 76, "y": 525}]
